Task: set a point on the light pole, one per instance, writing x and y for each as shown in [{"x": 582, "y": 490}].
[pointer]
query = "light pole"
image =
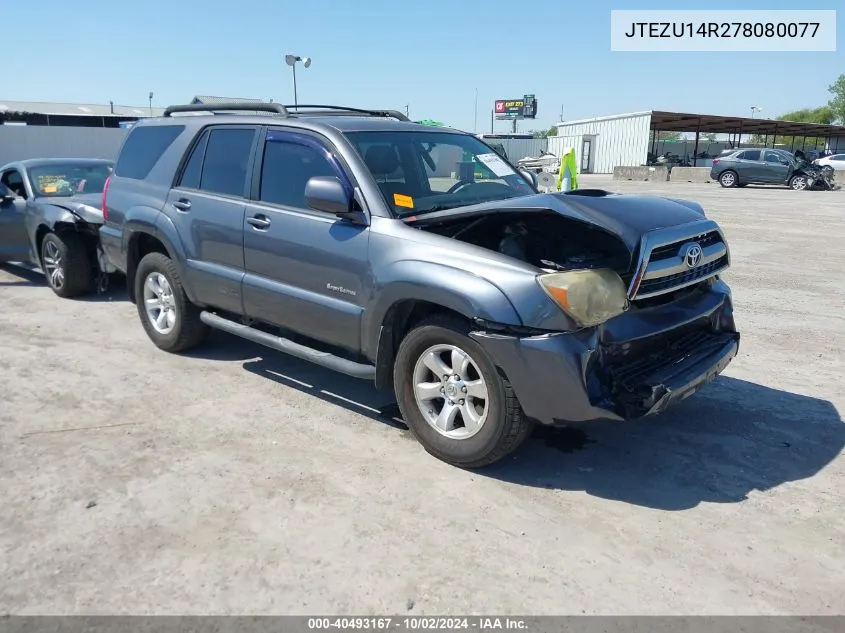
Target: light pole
[
  {"x": 291, "y": 60},
  {"x": 151, "y": 102},
  {"x": 754, "y": 110}
]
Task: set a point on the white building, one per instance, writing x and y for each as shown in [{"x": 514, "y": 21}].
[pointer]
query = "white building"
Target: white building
[
  {"x": 625, "y": 140},
  {"x": 602, "y": 143}
]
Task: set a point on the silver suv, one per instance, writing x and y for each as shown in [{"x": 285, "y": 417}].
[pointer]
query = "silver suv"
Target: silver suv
[{"x": 420, "y": 259}]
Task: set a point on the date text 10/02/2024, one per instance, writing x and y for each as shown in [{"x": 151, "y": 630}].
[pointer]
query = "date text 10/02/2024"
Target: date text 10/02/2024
[{"x": 417, "y": 623}]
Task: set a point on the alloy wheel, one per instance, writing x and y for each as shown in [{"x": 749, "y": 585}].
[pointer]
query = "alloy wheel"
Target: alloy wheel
[
  {"x": 159, "y": 303},
  {"x": 450, "y": 391},
  {"x": 54, "y": 265}
]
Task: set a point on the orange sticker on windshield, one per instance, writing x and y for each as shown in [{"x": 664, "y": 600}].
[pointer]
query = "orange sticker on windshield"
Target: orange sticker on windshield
[
  {"x": 50, "y": 189},
  {"x": 401, "y": 200}
]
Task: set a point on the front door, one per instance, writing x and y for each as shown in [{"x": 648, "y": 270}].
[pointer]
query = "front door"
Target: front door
[
  {"x": 776, "y": 167},
  {"x": 586, "y": 154},
  {"x": 305, "y": 270},
  {"x": 14, "y": 241}
]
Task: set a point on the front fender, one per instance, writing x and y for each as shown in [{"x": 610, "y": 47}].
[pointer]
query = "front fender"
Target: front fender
[
  {"x": 452, "y": 288},
  {"x": 46, "y": 216}
]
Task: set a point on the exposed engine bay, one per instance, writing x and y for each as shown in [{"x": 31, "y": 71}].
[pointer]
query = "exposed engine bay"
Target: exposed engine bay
[{"x": 544, "y": 239}]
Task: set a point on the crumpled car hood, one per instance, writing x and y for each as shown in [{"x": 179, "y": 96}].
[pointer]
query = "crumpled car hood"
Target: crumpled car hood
[
  {"x": 87, "y": 206},
  {"x": 626, "y": 216}
]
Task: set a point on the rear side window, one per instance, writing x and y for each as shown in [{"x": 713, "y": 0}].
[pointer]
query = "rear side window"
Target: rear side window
[
  {"x": 143, "y": 148},
  {"x": 193, "y": 168},
  {"x": 749, "y": 154},
  {"x": 227, "y": 154}
]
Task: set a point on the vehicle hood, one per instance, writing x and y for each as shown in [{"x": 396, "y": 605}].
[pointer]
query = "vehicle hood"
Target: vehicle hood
[
  {"x": 87, "y": 206},
  {"x": 626, "y": 216}
]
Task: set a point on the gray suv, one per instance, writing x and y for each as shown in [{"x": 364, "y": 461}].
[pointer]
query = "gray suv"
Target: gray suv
[{"x": 418, "y": 258}]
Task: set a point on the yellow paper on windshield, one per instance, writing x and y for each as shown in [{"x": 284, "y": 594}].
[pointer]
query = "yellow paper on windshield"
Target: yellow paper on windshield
[
  {"x": 50, "y": 189},
  {"x": 401, "y": 200}
]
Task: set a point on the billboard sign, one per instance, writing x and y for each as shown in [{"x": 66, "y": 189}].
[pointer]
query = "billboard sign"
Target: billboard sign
[{"x": 524, "y": 108}]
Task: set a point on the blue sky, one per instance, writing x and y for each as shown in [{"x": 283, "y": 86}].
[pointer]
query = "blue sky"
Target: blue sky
[{"x": 432, "y": 55}]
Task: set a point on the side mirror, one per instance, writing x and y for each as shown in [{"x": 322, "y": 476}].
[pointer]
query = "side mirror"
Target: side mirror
[
  {"x": 531, "y": 177},
  {"x": 327, "y": 194}
]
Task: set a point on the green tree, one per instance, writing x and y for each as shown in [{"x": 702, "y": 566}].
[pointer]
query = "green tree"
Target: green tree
[
  {"x": 824, "y": 114},
  {"x": 669, "y": 137},
  {"x": 837, "y": 102},
  {"x": 552, "y": 131}
]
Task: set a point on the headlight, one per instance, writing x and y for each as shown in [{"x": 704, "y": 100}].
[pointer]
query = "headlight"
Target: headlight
[{"x": 590, "y": 297}]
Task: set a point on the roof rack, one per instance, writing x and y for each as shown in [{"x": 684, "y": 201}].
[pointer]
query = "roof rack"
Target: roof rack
[
  {"x": 239, "y": 106},
  {"x": 333, "y": 109}
]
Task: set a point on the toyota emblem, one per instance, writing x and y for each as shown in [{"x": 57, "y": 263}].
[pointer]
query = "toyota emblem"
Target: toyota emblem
[{"x": 692, "y": 254}]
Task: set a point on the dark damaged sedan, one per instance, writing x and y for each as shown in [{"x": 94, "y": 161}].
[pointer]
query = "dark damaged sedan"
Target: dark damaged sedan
[
  {"x": 49, "y": 216},
  {"x": 424, "y": 261}
]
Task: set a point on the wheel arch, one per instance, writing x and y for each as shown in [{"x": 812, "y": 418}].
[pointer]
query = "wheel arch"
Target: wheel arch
[{"x": 141, "y": 241}]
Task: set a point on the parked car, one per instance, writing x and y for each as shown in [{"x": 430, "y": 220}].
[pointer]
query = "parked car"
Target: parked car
[
  {"x": 831, "y": 164},
  {"x": 486, "y": 306},
  {"x": 762, "y": 166},
  {"x": 50, "y": 216}
]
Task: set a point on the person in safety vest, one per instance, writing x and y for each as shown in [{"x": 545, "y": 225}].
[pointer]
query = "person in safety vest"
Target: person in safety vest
[{"x": 567, "y": 178}]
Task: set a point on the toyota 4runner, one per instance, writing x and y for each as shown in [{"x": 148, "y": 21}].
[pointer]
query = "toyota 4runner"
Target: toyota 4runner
[{"x": 418, "y": 258}]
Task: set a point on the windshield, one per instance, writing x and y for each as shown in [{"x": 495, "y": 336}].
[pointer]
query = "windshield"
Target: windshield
[
  {"x": 69, "y": 179},
  {"x": 421, "y": 172}
]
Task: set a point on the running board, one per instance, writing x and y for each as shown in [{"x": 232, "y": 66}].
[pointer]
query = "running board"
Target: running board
[{"x": 324, "y": 359}]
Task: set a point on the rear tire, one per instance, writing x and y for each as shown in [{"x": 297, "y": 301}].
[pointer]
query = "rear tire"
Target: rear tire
[
  {"x": 495, "y": 424},
  {"x": 728, "y": 179},
  {"x": 169, "y": 318},
  {"x": 66, "y": 264}
]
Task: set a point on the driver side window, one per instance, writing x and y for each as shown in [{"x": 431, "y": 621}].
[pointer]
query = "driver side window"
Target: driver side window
[{"x": 13, "y": 181}]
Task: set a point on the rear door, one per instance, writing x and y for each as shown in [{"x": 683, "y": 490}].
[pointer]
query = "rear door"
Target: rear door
[
  {"x": 14, "y": 241},
  {"x": 208, "y": 205},
  {"x": 749, "y": 166},
  {"x": 305, "y": 270}
]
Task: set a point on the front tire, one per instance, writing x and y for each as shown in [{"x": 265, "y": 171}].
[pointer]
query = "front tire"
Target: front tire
[
  {"x": 169, "y": 318},
  {"x": 453, "y": 398},
  {"x": 728, "y": 179},
  {"x": 798, "y": 183},
  {"x": 66, "y": 264}
]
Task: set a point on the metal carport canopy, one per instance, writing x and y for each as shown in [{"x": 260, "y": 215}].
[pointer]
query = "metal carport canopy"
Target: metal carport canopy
[{"x": 683, "y": 122}]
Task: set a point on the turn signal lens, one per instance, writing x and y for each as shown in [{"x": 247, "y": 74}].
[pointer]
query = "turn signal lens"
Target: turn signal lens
[{"x": 590, "y": 297}]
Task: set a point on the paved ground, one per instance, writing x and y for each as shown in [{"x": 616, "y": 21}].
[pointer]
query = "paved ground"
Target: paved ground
[{"x": 242, "y": 481}]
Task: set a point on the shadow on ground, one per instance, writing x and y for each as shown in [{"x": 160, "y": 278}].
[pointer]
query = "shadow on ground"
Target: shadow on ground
[
  {"x": 732, "y": 438},
  {"x": 28, "y": 275}
]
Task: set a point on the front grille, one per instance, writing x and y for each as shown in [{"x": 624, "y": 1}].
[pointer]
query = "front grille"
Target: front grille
[
  {"x": 670, "y": 250},
  {"x": 670, "y": 282},
  {"x": 664, "y": 267}
]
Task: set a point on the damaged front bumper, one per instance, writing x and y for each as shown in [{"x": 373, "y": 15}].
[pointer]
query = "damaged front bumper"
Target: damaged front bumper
[{"x": 634, "y": 365}]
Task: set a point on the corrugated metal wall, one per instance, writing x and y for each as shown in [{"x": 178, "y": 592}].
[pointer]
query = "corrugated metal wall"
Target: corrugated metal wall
[
  {"x": 517, "y": 148},
  {"x": 617, "y": 141},
  {"x": 19, "y": 142}
]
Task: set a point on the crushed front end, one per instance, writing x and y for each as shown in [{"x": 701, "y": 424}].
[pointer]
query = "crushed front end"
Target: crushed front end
[{"x": 677, "y": 335}]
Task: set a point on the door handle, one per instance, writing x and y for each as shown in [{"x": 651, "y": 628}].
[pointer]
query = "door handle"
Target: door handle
[
  {"x": 259, "y": 221},
  {"x": 183, "y": 204}
]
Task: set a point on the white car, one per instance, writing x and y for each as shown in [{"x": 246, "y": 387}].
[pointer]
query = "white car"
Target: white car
[{"x": 834, "y": 162}]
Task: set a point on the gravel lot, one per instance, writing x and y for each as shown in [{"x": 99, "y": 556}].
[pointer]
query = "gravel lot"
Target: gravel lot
[{"x": 238, "y": 480}]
